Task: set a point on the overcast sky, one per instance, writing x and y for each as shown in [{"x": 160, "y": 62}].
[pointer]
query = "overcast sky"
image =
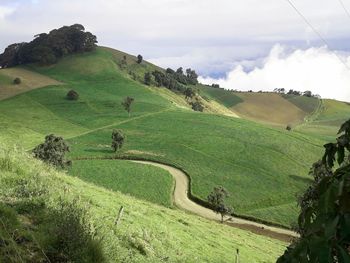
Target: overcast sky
[{"x": 233, "y": 42}]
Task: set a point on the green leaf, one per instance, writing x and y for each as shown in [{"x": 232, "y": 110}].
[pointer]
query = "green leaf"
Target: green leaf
[
  {"x": 341, "y": 154},
  {"x": 343, "y": 255}
]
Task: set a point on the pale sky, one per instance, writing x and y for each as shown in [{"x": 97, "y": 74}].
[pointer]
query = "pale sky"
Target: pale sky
[{"x": 218, "y": 38}]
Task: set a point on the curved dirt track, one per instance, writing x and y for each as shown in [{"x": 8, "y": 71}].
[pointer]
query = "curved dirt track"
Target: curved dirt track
[{"x": 182, "y": 201}]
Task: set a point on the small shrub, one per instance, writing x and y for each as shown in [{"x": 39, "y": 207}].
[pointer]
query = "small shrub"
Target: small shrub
[
  {"x": 17, "y": 81},
  {"x": 197, "y": 106},
  {"x": 289, "y": 128},
  {"x": 72, "y": 95},
  {"x": 139, "y": 59}
]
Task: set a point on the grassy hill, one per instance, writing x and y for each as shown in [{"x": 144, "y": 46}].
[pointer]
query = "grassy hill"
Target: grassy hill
[
  {"x": 326, "y": 120},
  {"x": 267, "y": 108},
  {"x": 253, "y": 161},
  {"x": 31, "y": 193}
]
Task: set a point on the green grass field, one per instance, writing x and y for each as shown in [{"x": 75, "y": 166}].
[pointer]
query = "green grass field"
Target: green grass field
[
  {"x": 263, "y": 168},
  {"x": 147, "y": 233},
  {"x": 225, "y": 97},
  {"x": 142, "y": 181}
]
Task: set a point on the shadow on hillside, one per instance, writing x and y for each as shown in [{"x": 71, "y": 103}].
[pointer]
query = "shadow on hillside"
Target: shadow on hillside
[{"x": 301, "y": 179}]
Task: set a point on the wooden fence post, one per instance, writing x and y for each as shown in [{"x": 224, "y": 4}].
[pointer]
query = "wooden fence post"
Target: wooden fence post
[{"x": 120, "y": 214}]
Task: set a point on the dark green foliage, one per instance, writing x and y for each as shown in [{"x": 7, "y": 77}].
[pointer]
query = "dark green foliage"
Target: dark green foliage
[
  {"x": 148, "y": 78},
  {"x": 289, "y": 127},
  {"x": 197, "y": 106},
  {"x": 52, "y": 151},
  {"x": 48, "y": 48},
  {"x": 189, "y": 93},
  {"x": 72, "y": 95},
  {"x": 118, "y": 139},
  {"x": 216, "y": 200},
  {"x": 17, "y": 81},
  {"x": 139, "y": 59},
  {"x": 216, "y": 86},
  {"x": 324, "y": 220},
  {"x": 126, "y": 103},
  {"x": 70, "y": 237}
]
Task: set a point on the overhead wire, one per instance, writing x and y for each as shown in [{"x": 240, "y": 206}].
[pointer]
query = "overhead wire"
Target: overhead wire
[{"x": 317, "y": 32}]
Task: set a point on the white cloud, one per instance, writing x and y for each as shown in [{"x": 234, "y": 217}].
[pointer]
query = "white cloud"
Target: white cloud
[{"x": 317, "y": 69}]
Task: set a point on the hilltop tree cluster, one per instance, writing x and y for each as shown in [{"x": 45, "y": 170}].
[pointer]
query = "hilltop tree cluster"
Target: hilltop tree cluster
[{"x": 48, "y": 48}]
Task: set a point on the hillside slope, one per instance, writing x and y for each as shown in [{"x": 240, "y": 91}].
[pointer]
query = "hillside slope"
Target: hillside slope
[
  {"x": 147, "y": 233},
  {"x": 267, "y": 108},
  {"x": 213, "y": 149}
]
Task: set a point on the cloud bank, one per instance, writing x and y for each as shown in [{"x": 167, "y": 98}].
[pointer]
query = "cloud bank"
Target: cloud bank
[{"x": 317, "y": 69}]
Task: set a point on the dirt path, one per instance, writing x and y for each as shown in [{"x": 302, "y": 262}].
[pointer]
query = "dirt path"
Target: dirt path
[{"x": 182, "y": 201}]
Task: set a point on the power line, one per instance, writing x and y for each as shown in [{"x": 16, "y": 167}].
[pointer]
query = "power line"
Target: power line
[
  {"x": 344, "y": 7},
  {"x": 317, "y": 32}
]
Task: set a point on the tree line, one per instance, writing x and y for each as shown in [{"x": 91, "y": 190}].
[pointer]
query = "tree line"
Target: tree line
[{"x": 48, "y": 48}]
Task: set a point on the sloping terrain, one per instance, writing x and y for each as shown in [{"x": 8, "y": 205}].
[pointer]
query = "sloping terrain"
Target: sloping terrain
[
  {"x": 326, "y": 121},
  {"x": 29, "y": 81},
  {"x": 146, "y": 233},
  {"x": 213, "y": 149},
  {"x": 268, "y": 108}
]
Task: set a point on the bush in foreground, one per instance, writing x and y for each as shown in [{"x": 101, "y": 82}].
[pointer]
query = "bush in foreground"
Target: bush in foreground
[
  {"x": 324, "y": 220},
  {"x": 52, "y": 151}
]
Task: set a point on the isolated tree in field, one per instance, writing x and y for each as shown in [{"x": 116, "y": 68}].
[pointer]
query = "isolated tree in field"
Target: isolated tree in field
[
  {"x": 118, "y": 139},
  {"x": 139, "y": 59},
  {"x": 289, "y": 127},
  {"x": 72, "y": 95},
  {"x": 148, "y": 78},
  {"x": 126, "y": 103},
  {"x": 216, "y": 200},
  {"x": 17, "y": 81},
  {"x": 324, "y": 220},
  {"x": 52, "y": 151}
]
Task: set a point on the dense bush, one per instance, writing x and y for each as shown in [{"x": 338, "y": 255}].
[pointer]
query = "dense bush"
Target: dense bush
[
  {"x": 72, "y": 95},
  {"x": 52, "y": 151},
  {"x": 17, "y": 81},
  {"x": 324, "y": 220},
  {"x": 197, "y": 106},
  {"x": 48, "y": 48}
]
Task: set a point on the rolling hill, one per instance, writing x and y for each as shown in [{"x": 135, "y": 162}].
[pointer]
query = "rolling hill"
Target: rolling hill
[
  {"x": 214, "y": 149},
  {"x": 32, "y": 193}
]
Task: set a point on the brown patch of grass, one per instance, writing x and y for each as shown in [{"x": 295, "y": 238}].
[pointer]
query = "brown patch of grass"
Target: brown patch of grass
[
  {"x": 29, "y": 80},
  {"x": 268, "y": 108}
]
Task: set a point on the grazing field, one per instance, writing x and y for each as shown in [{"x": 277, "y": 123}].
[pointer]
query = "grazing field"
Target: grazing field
[
  {"x": 225, "y": 97},
  {"x": 325, "y": 122},
  {"x": 218, "y": 150},
  {"x": 146, "y": 233},
  {"x": 142, "y": 181},
  {"x": 253, "y": 161},
  {"x": 29, "y": 80},
  {"x": 268, "y": 108}
]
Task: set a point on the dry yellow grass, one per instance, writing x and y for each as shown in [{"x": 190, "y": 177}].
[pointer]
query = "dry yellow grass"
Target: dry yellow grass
[
  {"x": 29, "y": 80},
  {"x": 268, "y": 108}
]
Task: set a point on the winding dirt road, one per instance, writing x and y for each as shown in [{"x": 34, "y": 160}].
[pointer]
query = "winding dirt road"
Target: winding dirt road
[{"x": 182, "y": 201}]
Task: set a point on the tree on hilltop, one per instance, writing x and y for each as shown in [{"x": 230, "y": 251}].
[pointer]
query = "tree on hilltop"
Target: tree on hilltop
[{"x": 139, "y": 59}]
